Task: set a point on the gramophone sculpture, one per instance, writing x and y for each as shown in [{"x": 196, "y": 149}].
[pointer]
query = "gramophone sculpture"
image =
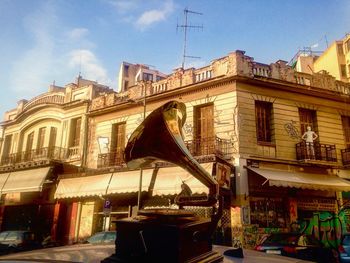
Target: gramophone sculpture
[{"x": 167, "y": 235}]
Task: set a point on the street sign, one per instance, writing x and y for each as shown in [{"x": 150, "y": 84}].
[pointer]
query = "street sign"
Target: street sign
[{"x": 107, "y": 207}]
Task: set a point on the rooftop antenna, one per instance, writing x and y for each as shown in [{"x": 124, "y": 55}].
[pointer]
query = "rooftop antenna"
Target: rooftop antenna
[{"x": 185, "y": 26}]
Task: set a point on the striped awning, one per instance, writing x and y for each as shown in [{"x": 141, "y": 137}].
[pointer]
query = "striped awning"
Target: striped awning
[
  {"x": 315, "y": 181},
  {"x": 25, "y": 181}
]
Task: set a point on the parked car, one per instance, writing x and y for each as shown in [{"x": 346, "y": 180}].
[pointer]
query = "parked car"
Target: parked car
[
  {"x": 344, "y": 249},
  {"x": 297, "y": 245},
  {"x": 18, "y": 240},
  {"x": 102, "y": 237}
]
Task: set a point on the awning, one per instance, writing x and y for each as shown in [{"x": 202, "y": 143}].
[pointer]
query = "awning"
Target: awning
[
  {"x": 128, "y": 182},
  {"x": 25, "y": 181},
  {"x": 83, "y": 186},
  {"x": 3, "y": 179},
  {"x": 169, "y": 180},
  {"x": 303, "y": 180}
]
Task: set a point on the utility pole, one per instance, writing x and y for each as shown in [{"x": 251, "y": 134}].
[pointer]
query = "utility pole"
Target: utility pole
[{"x": 186, "y": 26}]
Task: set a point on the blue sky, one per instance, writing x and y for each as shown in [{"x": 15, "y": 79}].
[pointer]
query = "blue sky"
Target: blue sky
[{"x": 46, "y": 41}]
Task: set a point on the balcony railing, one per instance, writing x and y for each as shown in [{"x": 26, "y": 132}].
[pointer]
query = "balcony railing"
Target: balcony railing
[
  {"x": 47, "y": 153},
  {"x": 316, "y": 151},
  {"x": 110, "y": 159},
  {"x": 345, "y": 155},
  {"x": 208, "y": 146}
]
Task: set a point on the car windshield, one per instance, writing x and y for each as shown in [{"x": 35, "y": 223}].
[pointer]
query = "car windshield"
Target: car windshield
[
  {"x": 97, "y": 238},
  {"x": 12, "y": 236},
  {"x": 3, "y": 235},
  {"x": 110, "y": 237}
]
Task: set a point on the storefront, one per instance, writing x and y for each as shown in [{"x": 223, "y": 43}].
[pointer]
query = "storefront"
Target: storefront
[
  {"x": 295, "y": 199},
  {"x": 27, "y": 200},
  {"x": 97, "y": 200}
]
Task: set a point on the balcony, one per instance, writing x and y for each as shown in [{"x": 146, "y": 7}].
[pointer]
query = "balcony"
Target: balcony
[
  {"x": 199, "y": 147},
  {"x": 345, "y": 155},
  {"x": 209, "y": 146},
  {"x": 110, "y": 159},
  {"x": 316, "y": 151},
  {"x": 47, "y": 153}
]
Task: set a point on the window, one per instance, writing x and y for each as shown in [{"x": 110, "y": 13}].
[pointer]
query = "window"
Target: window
[
  {"x": 147, "y": 77},
  {"x": 53, "y": 135},
  {"x": 204, "y": 129},
  {"x": 268, "y": 212},
  {"x": 346, "y": 129},
  {"x": 30, "y": 139},
  {"x": 126, "y": 70},
  {"x": 7, "y": 146},
  {"x": 343, "y": 70},
  {"x": 126, "y": 84},
  {"x": 307, "y": 118},
  {"x": 158, "y": 78},
  {"x": 348, "y": 45},
  {"x": 263, "y": 117},
  {"x": 340, "y": 49},
  {"x": 117, "y": 143},
  {"x": 75, "y": 132},
  {"x": 41, "y": 138}
]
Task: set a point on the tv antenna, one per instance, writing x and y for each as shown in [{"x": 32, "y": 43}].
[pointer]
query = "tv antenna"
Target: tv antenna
[{"x": 186, "y": 26}]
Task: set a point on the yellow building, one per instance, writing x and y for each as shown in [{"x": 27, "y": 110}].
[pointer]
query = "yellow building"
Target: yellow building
[
  {"x": 336, "y": 60},
  {"x": 245, "y": 124},
  {"x": 43, "y": 137},
  {"x": 247, "y": 117}
]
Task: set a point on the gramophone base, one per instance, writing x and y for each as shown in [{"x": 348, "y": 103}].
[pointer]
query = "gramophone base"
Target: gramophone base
[{"x": 164, "y": 239}]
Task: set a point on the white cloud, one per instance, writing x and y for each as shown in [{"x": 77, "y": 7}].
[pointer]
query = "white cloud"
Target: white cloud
[
  {"x": 49, "y": 53},
  {"x": 78, "y": 33},
  {"x": 124, "y": 6},
  {"x": 90, "y": 66},
  {"x": 155, "y": 15}
]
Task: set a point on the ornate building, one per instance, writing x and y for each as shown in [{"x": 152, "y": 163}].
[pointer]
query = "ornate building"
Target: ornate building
[
  {"x": 245, "y": 125},
  {"x": 42, "y": 138}
]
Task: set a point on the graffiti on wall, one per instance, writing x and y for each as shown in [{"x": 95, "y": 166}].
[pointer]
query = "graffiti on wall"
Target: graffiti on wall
[{"x": 292, "y": 130}]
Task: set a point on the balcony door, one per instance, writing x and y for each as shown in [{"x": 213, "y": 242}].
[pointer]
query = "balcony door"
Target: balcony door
[
  {"x": 204, "y": 137},
  {"x": 117, "y": 143},
  {"x": 29, "y": 147},
  {"x": 346, "y": 129}
]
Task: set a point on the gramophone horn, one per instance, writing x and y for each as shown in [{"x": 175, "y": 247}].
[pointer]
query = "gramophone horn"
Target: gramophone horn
[{"x": 160, "y": 136}]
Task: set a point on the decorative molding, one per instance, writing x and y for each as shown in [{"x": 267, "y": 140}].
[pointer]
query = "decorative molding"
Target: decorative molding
[
  {"x": 263, "y": 98},
  {"x": 344, "y": 113},
  {"x": 306, "y": 106}
]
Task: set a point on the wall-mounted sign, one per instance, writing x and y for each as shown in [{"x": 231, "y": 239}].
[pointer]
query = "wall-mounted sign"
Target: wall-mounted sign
[{"x": 223, "y": 174}]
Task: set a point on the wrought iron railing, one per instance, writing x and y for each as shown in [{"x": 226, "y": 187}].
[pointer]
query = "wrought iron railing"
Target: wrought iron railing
[
  {"x": 110, "y": 159},
  {"x": 198, "y": 147},
  {"x": 345, "y": 155},
  {"x": 46, "y": 153},
  {"x": 208, "y": 146},
  {"x": 316, "y": 151}
]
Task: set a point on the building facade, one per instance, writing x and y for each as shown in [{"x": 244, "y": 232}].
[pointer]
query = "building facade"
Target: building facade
[
  {"x": 277, "y": 141},
  {"x": 42, "y": 138}
]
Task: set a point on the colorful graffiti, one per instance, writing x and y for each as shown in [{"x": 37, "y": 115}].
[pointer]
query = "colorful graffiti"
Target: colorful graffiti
[{"x": 327, "y": 227}]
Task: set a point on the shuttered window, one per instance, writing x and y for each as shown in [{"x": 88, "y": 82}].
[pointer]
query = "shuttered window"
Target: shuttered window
[
  {"x": 263, "y": 118},
  {"x": 204, "y": 129},
  {"x": 75, "y": 132},
  {"x": 307, "y": 118},
  {"x": 30, "y": 139},
  {"x": 41, "y": 138},
  {"x": 117, "y": 142},
  {"x": 346, "y": 129}
]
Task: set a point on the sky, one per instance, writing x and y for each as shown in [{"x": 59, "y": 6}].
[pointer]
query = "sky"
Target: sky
[{"x": 50, "y": 41}]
